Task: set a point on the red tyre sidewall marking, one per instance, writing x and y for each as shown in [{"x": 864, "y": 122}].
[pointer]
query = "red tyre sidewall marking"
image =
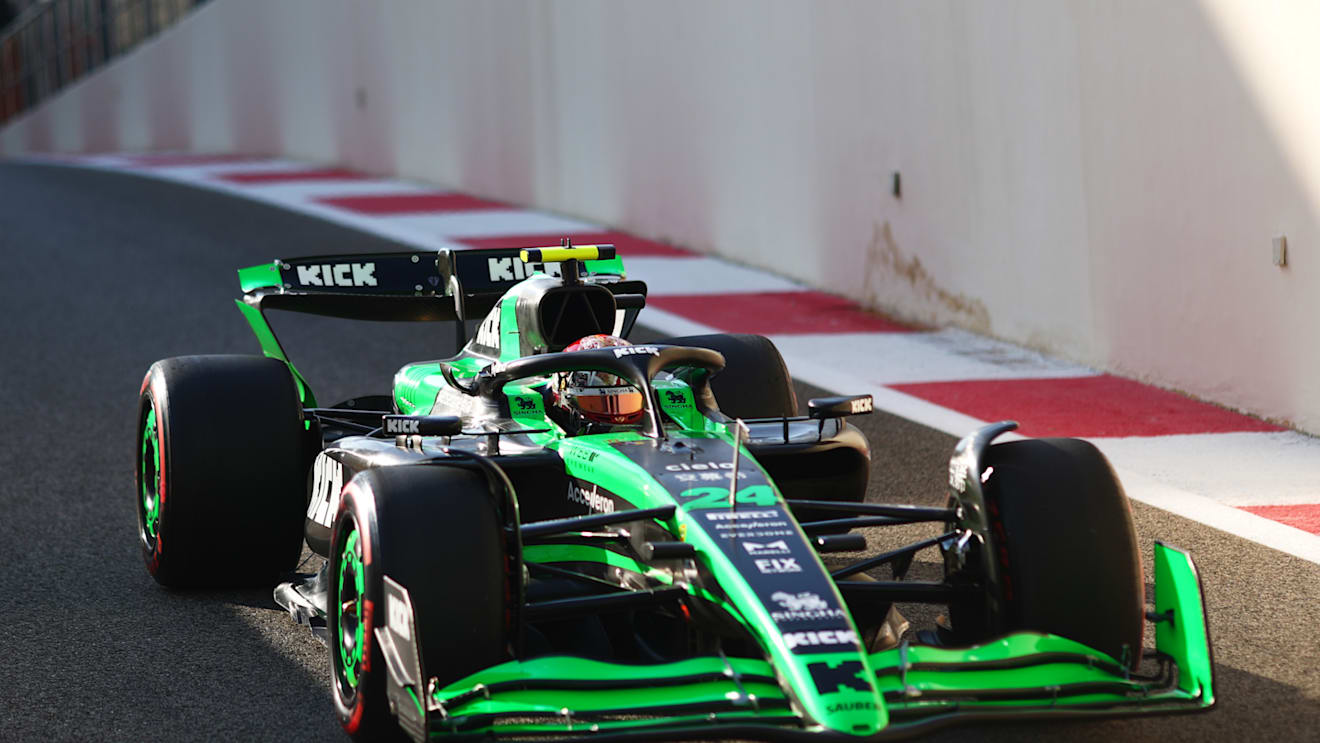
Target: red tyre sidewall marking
[{"x": 160, "y": 472}]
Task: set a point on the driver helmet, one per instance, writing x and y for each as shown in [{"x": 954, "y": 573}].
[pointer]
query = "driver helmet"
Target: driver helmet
[{"x": 598, "y": 397}]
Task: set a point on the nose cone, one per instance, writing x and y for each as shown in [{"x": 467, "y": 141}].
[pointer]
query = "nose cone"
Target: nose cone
[{"x": 773, "y": 576}]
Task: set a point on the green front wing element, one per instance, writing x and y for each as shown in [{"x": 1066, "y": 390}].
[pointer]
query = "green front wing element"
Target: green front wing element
[{"x": 1025, "y": 675}]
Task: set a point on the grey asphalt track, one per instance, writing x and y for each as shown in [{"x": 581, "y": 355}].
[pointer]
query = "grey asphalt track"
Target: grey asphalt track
[{"x": 104, "y": 273}]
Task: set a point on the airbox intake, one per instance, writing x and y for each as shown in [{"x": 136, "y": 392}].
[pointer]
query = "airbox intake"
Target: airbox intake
[{"x": 568, "y": 313}]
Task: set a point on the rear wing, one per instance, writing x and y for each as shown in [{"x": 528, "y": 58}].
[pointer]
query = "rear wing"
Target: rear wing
[
  {"x": 450, "y": 285},
  {"x": 405, "y": 286}
]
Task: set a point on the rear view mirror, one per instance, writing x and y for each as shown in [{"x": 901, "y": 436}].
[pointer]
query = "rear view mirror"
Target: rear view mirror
[{"x": 821, "y": 408}]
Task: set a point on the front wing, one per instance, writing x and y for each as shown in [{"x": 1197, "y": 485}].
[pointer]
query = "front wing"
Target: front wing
[{"x": 1020, "y": 676}]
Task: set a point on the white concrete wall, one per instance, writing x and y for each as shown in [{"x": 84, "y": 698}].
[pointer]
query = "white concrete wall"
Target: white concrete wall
[{"x": 1099, "y": 180}]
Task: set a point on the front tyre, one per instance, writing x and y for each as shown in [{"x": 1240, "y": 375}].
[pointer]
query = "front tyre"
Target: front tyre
[
  {"x": 435, "y": 531},
  {"x": 1066, "y": 549},
  {"x": 220, "y": 492}
]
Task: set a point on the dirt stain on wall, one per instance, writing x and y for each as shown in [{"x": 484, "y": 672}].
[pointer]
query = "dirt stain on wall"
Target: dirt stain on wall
[{"x": 885, "y": 262}]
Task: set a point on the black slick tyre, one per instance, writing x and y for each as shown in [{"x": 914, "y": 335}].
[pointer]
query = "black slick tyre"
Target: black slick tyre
[
  {"x": 220, "y": 483},
  {"x": 435, "y": 531},
  {"x": 1066, "y": 548},
  {"x": 755, "y": 382}
]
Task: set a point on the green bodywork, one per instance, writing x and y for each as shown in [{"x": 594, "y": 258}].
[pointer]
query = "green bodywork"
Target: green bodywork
[{"x": 881, "y": 694}]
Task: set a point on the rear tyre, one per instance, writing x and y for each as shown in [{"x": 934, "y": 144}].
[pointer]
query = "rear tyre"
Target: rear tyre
[
  {"x": 755, "y": 382},
  {"x": 220, "y": 484},
  {"x": 1067, "y": 549},
  {"x": 436, "y": 532}
]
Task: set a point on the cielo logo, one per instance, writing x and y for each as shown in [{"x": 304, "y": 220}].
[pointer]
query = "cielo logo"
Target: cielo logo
[{"x": 698, "y": 466}]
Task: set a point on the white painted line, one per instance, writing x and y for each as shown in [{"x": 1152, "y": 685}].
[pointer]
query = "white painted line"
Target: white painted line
[
  {"x": 200, "y": 170},
  {"x": 1206, "y": 511},
  {"x": 199, "y": 173},
  {"x": 488, "y": 223},
  {"x": 75, "y": 161},
  {"x": 371, "y": 225},
  {"x": 1139, "y": 485},
  {"x": 943, "y": 356},
  {"x": 819, "y": 371},
  {"x": 401, "y": 233},
  {"x": 703, "y": 276},
  {"x": 1236, "y": 469},
  {"x": 297, "y": 192}
]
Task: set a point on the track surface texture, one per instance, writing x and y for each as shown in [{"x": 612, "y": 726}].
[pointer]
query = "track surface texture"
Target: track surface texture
[{"x": 105, "y": 273}]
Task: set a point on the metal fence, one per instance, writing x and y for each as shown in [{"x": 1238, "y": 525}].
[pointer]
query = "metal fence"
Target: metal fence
[{"x": 55, "y": 42}]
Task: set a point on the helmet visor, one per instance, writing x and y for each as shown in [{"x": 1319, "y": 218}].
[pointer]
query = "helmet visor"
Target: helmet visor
[{"x": 608, "y": 402}]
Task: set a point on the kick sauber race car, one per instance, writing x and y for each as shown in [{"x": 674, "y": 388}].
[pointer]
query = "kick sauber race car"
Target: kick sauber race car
[{"x": 557, "y": 533}]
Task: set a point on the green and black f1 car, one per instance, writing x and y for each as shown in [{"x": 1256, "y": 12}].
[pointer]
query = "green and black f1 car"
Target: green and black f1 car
[{"x": 497, "y": 566}]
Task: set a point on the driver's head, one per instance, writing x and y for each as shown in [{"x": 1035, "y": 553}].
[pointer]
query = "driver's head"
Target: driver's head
[{"x": 598, "y": 397}]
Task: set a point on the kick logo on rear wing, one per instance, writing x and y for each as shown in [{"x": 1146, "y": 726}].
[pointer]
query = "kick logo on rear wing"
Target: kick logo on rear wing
[
  {"x": 497, "y": 269},
  {"x": 476, "y": 271}
]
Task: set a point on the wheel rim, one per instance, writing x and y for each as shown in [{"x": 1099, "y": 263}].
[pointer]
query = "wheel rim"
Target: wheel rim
[
  {"x": 352, "y": 580},
  {"x": 149, "y": 464}
]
